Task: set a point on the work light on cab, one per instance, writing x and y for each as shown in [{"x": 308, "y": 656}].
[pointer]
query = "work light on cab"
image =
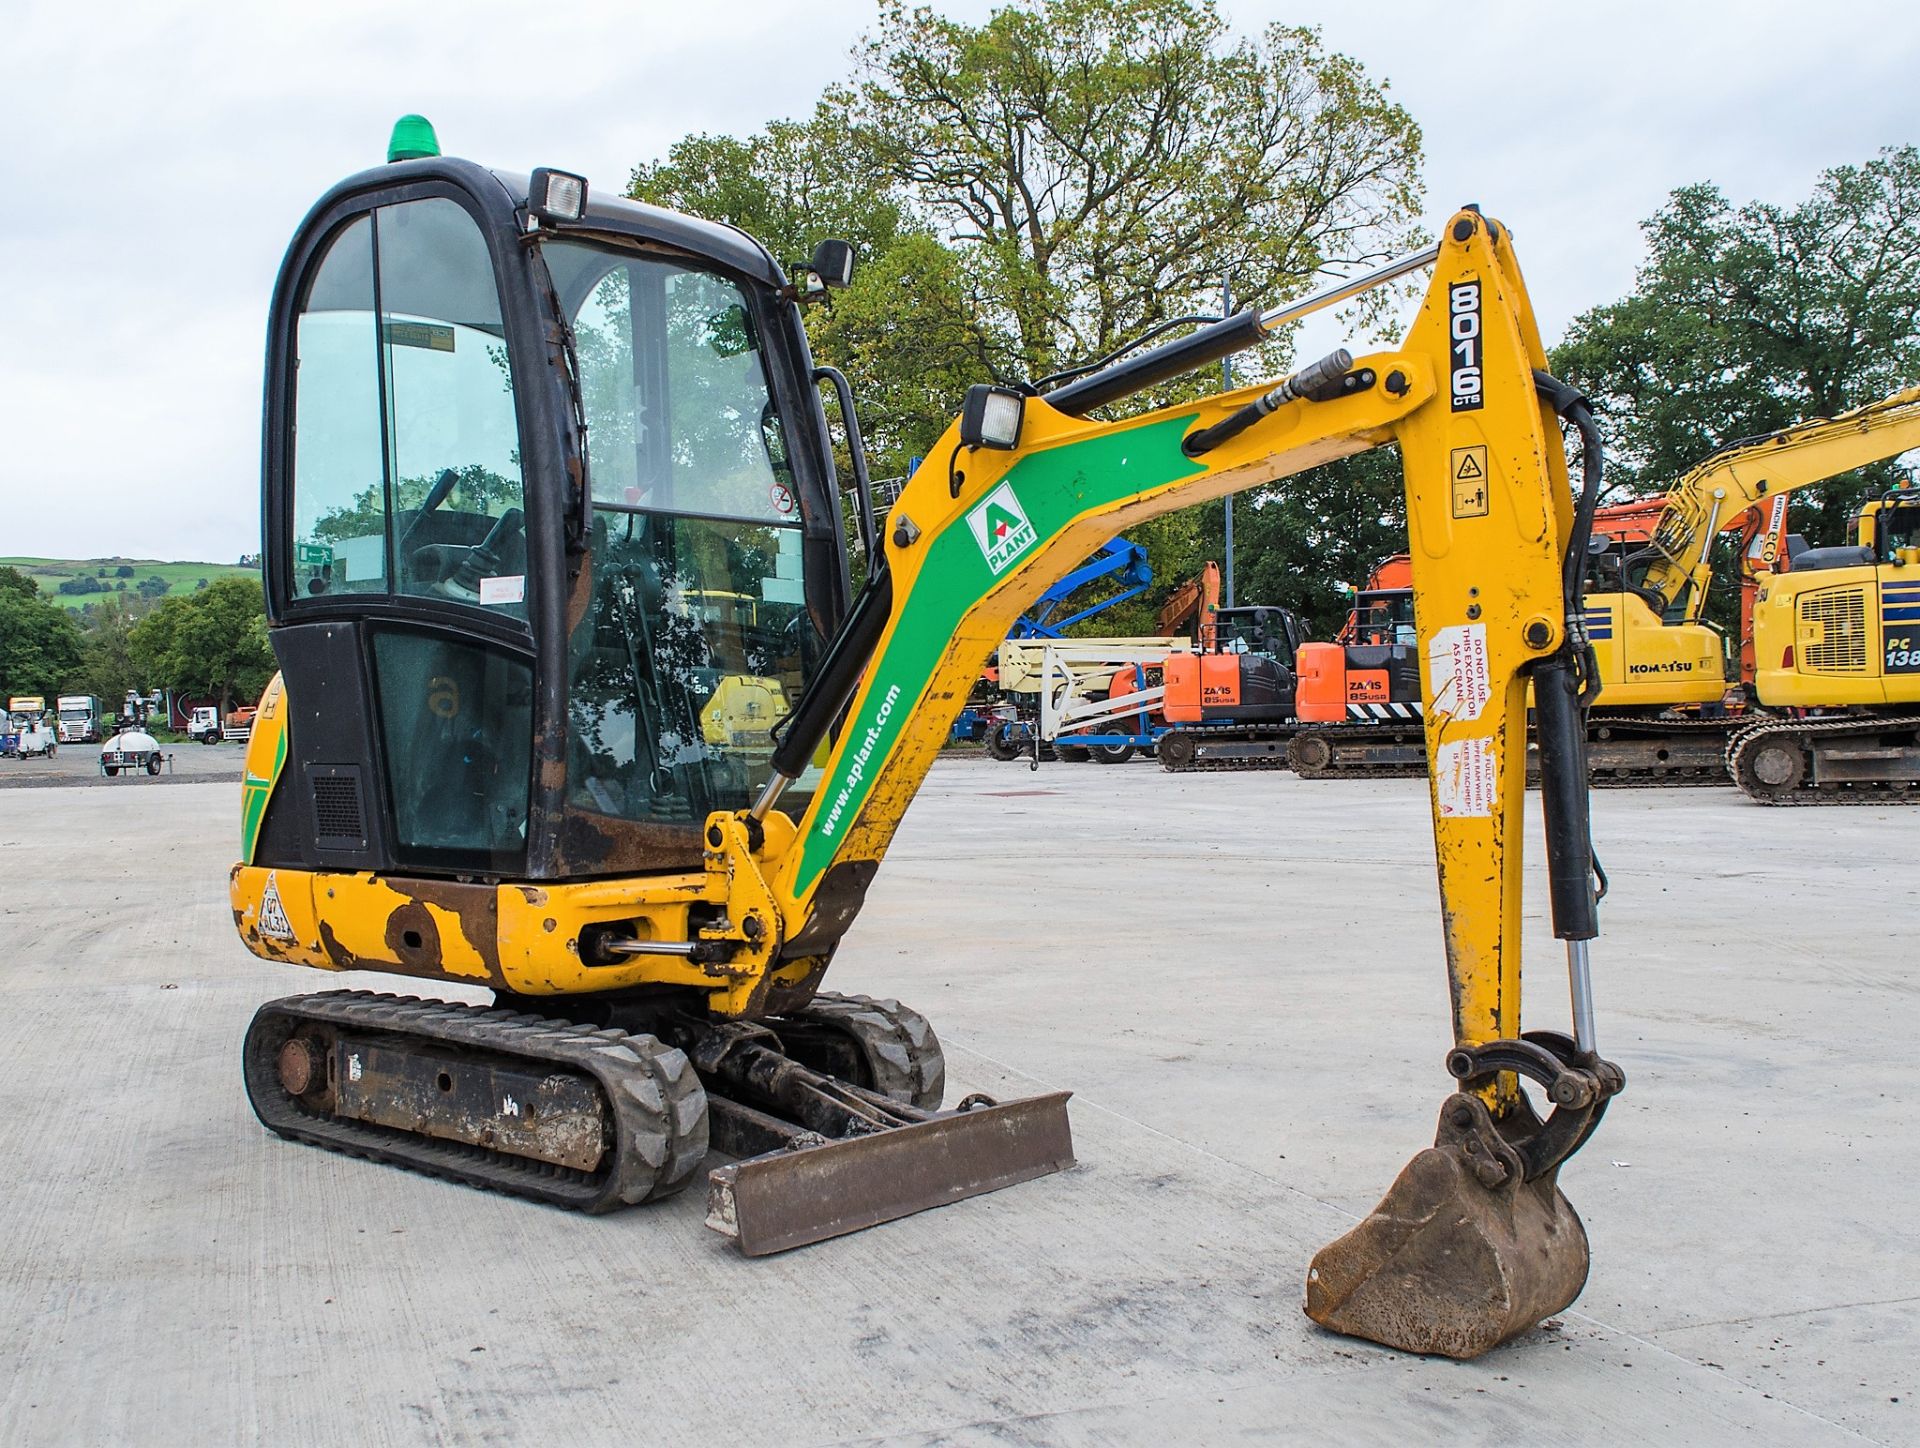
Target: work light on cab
[{"x": 557, "y": 195}]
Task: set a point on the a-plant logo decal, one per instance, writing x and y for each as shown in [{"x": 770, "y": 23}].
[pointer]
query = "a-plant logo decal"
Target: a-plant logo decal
[{"x": 1001, "y": 528}]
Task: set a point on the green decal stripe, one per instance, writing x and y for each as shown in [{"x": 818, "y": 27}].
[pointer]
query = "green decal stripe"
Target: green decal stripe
[
  {"x": 254, "y": 794},
  {"x": 1054, "y": 486}
]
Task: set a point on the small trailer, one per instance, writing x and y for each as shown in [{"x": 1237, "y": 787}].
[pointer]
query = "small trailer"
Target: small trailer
[{"x": 132, "y": 750}]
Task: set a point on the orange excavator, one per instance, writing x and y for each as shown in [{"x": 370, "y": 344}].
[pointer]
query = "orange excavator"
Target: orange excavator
[
  {"x": 1252, "y": 691},
  {"x": 1229, "y": 704}
]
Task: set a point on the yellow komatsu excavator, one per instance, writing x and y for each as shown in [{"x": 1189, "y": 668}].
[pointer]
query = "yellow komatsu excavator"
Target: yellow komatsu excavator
[
  {"x": 486, "y": 760},
  {"x": 1836, "y": 645},
  {"x": 1660, "y": 662}
]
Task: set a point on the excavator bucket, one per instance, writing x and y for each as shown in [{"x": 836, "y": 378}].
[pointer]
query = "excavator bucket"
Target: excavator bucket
[
  {"x": 1461, "y": 1254},
  {"x": 826, "y": 1188}
]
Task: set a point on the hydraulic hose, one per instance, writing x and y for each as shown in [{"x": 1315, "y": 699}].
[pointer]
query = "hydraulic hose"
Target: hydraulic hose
[
  {"x": 1568, "y": 402},
  {"x": 1563, "y": 686}
]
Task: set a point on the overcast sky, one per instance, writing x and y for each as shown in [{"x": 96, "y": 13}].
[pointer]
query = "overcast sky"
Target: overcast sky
[{"x": 158, "y": 156}]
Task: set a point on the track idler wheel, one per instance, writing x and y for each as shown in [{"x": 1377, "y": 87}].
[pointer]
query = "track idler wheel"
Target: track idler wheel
[
  {"x": 1176, "y": 750},
  {"x": 879, "y": 1044},
  {"x": 1474, "y": 1243},
  {"x": 1309, "y": 755}
]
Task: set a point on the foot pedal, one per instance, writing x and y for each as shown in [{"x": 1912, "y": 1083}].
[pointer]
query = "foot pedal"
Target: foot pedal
[{"x": 808, "y": 1193}]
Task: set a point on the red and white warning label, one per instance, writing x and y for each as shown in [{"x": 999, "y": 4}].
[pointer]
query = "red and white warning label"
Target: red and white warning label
[
  {"x": 1457, "y": 667},
  {"x": 1465, "y": 778}
]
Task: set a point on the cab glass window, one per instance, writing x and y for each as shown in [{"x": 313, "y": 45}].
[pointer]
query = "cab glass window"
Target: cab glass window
[
  {"x": 456, "y": 723},
  {"x": 679, "y": 415},
  {"x": 695, "y": 637},
  {"x": 339, "y": 495},
  {"x": 406, "y": 453},
  {"x": 695, "y": 642}
]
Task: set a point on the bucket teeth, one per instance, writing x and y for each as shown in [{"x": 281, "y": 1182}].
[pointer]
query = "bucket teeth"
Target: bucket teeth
[{"x": 1448, "y": 1263}]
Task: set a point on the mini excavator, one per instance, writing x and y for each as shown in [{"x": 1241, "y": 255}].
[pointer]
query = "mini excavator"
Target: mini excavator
[{"x": 520, "y": 435}]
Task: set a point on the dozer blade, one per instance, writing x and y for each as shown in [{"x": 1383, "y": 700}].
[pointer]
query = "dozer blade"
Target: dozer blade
[
  {"x": 790, "y": 1198},
  {"x": 1449, "y": 1264}
]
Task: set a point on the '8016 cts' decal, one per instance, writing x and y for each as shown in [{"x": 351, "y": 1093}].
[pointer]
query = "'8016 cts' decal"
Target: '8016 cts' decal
[{"x": 1463, "y": 328}]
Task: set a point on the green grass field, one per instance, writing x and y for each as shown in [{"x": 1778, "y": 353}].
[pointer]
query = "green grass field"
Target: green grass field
[{"x": 181, "y": 578}]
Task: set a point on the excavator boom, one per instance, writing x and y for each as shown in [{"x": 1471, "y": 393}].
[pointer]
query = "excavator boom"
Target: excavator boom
[{"x": 1678, "y": 562}]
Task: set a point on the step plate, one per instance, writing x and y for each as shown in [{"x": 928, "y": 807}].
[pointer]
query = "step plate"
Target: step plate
[{"x": 787, "y": 1199}]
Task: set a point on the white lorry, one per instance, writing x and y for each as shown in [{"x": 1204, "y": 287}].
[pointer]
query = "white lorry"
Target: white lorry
[{"x": 79, "y": 718}]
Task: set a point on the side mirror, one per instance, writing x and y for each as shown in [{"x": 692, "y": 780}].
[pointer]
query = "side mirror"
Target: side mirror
[{"x": 831, "y": 267}]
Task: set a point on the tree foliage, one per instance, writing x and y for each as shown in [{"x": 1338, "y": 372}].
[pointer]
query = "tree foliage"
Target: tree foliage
[
  {"x": 107, "y": 666},
  {"x": 1745, "y": 319},
  {"x": 1040, "y": 188},
  {"x": 1102, "y": 165},
  {"x": 212, "y": 641},
  {"x": 15, "y": 584},
  {"x": 39, "y": 643}
]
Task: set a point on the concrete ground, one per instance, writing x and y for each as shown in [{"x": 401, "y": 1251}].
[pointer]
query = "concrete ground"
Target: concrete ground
[
  {"x": 1239, "y": 976},
  {"x": 79, "y": 764}
]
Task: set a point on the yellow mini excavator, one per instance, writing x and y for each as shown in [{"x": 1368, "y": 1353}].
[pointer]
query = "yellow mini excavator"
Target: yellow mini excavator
[
  {"x": 1660, "y": 662},
  {"x": 512, "y": 426}
]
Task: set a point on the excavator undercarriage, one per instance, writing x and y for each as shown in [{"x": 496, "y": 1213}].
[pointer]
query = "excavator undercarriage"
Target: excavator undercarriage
[
  {"x": 1854, "y": 759},
  {"x": 622, "y": 1110}
]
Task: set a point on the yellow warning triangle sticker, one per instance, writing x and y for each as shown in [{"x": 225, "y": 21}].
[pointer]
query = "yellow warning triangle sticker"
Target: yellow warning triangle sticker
[
  {"x": 273, "y": 915},
  {"x": 1469, "y": 467}
]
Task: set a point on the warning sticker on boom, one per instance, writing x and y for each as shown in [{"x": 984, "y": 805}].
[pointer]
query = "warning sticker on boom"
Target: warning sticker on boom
[
  {"x": 1469, "y": 471},
  {"x": 1465, "y": 780},
  {"x": 1457, "y": 670}
]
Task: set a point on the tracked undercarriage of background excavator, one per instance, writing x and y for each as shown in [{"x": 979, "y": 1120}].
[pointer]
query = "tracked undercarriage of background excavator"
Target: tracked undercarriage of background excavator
[{"x": 551, "y": 529}]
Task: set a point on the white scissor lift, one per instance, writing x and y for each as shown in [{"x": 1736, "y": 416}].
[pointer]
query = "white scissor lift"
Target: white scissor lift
[{"x": 1072, "y": 681}]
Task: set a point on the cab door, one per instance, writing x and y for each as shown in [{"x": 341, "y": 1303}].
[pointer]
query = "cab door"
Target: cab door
[{"x": 398, "y": 547}]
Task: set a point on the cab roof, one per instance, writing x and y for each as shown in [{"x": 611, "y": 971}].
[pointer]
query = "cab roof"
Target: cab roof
[{"x": 607, "y": 213}]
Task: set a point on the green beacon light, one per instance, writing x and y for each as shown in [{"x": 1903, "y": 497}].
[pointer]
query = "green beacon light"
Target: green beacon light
[{"x": 413, "y": 139}]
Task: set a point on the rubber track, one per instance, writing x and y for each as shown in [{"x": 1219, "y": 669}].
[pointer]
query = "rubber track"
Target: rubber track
[
  {"x": 1231, "y": 731},
  {"x": 1652, "y": 777},
  {"x": 1337, "y": 735},
  {"x": 1867, "y": 792},
  {"x": 659, "y": 1106},
  {"x": 898, "y": 1042}
]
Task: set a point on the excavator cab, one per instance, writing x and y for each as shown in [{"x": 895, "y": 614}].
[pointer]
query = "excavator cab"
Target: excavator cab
[{"x": 551, "y": 536}]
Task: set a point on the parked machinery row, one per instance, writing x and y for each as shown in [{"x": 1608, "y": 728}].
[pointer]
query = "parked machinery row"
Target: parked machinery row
[{"x": 1817, "y": 699}]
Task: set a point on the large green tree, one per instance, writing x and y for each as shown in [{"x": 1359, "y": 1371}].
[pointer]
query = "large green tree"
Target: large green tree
[
  {"x": 108, "y": 669},
  {"x": 212, "y": 641},
  {"x": 40, "y": 649},
  {"x": 1042, "y": 187},
  {"x": 1101, "y": 164},
  {"x": 1748, "y": 318}
]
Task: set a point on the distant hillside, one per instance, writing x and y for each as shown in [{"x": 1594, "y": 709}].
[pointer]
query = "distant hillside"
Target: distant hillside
[{"x": 108, "y": 574}]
